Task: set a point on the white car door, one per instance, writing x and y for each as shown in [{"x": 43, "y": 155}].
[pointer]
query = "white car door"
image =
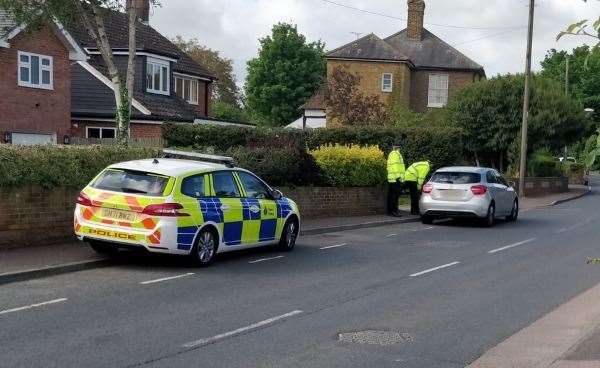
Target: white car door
[
  {"x": 496, "y": 191},
  {"x": 507, "y": 193}
]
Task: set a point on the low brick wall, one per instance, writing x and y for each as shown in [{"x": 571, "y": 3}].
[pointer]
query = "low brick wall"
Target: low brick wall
[
  {"x": 32, "y": 215},
  {"x": 319, "y": 202},
  {"x": 535, "y": 187}
]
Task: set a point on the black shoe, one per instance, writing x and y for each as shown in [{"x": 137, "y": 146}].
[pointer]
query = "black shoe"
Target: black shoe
[{"x": 397, "y": 214}]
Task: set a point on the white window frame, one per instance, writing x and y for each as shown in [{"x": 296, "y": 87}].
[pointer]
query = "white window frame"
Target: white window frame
[
  {"x": 192, "y": 81},
  {"x": 161, "y": 64},
  {"x": 87, "y": 131},
  {"x": 437, "y": 91},
  {"x": 42, "y": 68},
  {"x": 384, "y": 87}
]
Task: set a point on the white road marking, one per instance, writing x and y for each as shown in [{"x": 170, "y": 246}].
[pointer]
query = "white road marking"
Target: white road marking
[
  {"x": 265, "y": 259},
  {"x": 511, "y": 246},
  {"x": 434, "y": 269},
  {"x": 33, "y": 306},
  {"x": 334, "y": 246},
  {"x": 166, "y": 278},
  {"x": 254, "y": 326},
  {"x": 413, "y": 230}
]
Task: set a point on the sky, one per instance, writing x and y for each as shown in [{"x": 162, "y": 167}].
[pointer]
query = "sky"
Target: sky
[{"x": 491, "y": 32}]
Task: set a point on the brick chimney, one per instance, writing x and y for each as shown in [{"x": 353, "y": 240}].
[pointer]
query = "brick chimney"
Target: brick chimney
[
  {"x": 416, "y": 14},
  {"x": 142, "y": 9}
]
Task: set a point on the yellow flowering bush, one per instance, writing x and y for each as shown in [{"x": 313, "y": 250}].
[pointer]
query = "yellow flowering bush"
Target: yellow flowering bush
[{"x": 351, "y": 165}]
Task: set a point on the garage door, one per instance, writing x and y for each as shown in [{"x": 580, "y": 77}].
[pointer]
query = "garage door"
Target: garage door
[{"x": 31, "y": 139}]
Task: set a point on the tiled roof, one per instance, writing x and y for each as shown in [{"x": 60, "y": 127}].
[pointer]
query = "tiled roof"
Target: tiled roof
[
  {"x": 90, "y": 97},
  {"x": 368, "y": 47},
  {"x": 430, "y": 52},
  {"x": 148, "y": 39},
  {"x": 6, "y": 23},
  {"x": 317, "y": 101}
]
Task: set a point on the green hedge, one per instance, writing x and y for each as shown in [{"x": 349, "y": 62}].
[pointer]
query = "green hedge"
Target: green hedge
[
  {"x": 54, "y": 166},
  {"x": 441, "y": 145}
]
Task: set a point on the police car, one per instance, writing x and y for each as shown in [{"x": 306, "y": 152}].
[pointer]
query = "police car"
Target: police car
[{"x": 199, "y": 206}]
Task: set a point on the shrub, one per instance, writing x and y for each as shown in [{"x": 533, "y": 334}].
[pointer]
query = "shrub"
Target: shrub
[
  {"x": 543, "y": 164},
  {"x": 53, "y": 166},
  {"x": 351, "y": 166},
  {"x": 229, "y": 112},
  {"x": 278, "y": 166}
]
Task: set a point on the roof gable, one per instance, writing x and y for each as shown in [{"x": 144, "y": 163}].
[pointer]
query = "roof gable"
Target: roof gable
[
  {"x": 147, "y": 39},
  {"x": 369, "y": 47},
  {"x": 431, "y": 52}
]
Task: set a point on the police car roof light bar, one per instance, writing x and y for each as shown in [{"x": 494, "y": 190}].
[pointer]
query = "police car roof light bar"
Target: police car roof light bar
[{"x": 224, "y": 160}]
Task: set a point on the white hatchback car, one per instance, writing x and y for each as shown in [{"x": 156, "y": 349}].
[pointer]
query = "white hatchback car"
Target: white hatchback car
[{"x": 468, "y": 192}]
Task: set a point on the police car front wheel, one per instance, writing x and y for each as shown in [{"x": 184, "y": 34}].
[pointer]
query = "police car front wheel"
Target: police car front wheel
[
  {"x": 289, "y": 235},
  {"x": 205, "y": 249}
]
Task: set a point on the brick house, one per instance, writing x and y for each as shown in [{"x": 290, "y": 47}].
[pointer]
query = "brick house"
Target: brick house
[
  {"x": 35, "y": 86},
  {"x": 413, "y": 67},
  {"x": 169, "y": 85}
]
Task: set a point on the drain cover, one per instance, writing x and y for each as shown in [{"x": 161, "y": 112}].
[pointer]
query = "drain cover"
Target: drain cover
[{"x": 374, "y": 337}]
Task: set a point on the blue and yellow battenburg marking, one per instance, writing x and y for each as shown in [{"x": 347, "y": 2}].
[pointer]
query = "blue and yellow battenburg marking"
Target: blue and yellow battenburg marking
[{"x": 245, "y": 220}]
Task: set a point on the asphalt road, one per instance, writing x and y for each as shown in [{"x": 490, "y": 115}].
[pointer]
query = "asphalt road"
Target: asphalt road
[{"x": 435, "y": 296}]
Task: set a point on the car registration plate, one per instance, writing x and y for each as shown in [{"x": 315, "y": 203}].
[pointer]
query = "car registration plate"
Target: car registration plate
[{"x": 119, "y": 215}]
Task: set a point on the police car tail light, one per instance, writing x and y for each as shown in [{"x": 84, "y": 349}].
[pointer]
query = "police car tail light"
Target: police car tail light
[
  {"x": 84, "y": 200},
  {"x": 478, "y": 189},
  {"x": 427, "y": 188},
  {"x": 165, "y": 209}
]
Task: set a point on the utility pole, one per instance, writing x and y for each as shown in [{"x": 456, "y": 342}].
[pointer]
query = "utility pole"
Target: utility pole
[
  {"x": 567, "y": 77},
  {"x": 523, "y": 163}
]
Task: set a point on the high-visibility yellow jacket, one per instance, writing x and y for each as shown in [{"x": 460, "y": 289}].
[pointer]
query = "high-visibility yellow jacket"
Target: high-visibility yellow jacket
[
  {"x": 395, "y": 167},
  {"x": 417, "y": 172}
]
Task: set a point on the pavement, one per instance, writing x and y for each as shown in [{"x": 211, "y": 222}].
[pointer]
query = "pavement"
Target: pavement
[{"x": 397, "y": 295}]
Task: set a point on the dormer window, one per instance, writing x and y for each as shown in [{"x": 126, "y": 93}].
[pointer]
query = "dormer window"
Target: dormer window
[{"x": 158, "y": 76}]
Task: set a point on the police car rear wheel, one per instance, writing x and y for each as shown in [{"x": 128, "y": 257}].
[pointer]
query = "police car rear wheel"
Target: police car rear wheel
[
  {"x": 288, "y": 236},
  {"x": 205, "y": 249}
]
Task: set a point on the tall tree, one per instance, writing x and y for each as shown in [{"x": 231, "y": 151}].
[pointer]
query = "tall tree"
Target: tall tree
[
  {"x": 347, "y": 105},
  {"x": 91, "y": 14},
  {"x": 489, "y": 114},
  {"x": 584, "y": 70},
  {"x": 286, "y": 73},
  {"x": 225, "y": 89}
]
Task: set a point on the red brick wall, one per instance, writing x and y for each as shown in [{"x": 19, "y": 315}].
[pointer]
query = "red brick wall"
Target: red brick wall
[
  {"x": 138, "y": 130},
  {"x": 320, "y": 202},
  {"x": 32, "y": 215},
  {"x": 32, "y": 110},
  {"x": 203, "y": 109}
]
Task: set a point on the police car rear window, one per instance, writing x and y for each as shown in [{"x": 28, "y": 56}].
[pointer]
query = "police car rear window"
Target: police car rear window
[
  {"x": 132, "y": 182},
  {"x": 456, "y": 178}
]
